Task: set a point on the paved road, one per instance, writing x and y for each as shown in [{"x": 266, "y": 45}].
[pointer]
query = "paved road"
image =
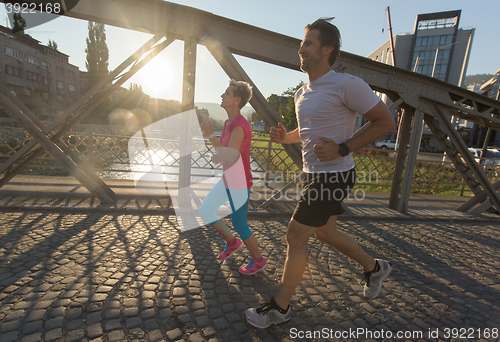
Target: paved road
[{"x": 115, "y": 277}]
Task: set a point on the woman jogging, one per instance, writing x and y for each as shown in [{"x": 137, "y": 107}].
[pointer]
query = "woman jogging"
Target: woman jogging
[{"x": 233, "y": 150}]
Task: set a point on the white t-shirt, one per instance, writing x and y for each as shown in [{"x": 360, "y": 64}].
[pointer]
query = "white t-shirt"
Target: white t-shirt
[{"x": 327, "y": 107}]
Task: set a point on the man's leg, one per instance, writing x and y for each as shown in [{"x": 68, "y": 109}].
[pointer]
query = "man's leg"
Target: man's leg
[
  {"x": 376, "y": 271},
  {"x": 296, "y": 259},
  {"x": 278, "y": 310},
  {"x": 344, "y": 244}
]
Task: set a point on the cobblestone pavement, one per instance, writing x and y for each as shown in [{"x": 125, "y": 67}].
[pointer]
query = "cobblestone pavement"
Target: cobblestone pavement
[{"x": 102, "y": 277}]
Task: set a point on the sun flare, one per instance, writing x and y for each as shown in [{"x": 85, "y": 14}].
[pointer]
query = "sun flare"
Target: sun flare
[{"x": 160, "y": 79}]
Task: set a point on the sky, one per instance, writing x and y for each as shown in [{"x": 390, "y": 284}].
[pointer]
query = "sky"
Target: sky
[{"x": 363, "y": 25}]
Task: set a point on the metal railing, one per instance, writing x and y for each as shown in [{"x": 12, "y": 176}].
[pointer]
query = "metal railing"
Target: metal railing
[{"x": 106, "y": 148}]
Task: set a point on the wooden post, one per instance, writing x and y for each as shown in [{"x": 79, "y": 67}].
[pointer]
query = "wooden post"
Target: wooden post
[
  {"x": 416, "y": 136},
  {"x": 190, "y": 45},
  {"x": 405, "y": 127}
]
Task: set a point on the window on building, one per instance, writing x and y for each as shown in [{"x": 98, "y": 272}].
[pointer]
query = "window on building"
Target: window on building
[
  {"x": 71, "y": 74},
  {"x": 44, "y": 65},
  {"x": 427, "y": 55},
  {"x": 71, "y": 88},
  {"x": 424, "y": 41},
  {"x": 446, "y": 54},
  {"x": 16, "y": 89},
  {"x": 13, "y": 53},
  {"x": 47, "y": 81},
  {"x": 31, "y": 59},
  {"x": 60, "y": 71},
  {"x": 442, "y": 40},
  {"x": 60, "y": 85},
  {"x": 387, "y": 56},
  {"x": 433, "y": 54},
  {"x": 449, "y": 39},
  {"x": 444, "y": 67},
  {"x": 430, "y": 41},
  {"x": 33, "y": 76},
  {"x": 36, "y": 92},
  {"x": 10, "y": 70}
]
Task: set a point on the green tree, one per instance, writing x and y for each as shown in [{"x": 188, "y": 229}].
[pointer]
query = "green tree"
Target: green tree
[
  {"x": 135, "y": 87},
  {"x": 52, "y": 44},
  {"x": 255, "y": 117},
  {"x": 284, "y": 105},
  {"x": 19, "y": 23},
  {"x": 97, "y": 53}
]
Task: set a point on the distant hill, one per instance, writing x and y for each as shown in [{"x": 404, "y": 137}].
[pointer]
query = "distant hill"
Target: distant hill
[
  {"x": 477, "y": 79},
  {"x": 217, "y": 112}
]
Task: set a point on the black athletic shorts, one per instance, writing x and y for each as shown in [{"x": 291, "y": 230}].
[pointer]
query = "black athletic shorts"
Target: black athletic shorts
[{"x": 322, "y": 195}]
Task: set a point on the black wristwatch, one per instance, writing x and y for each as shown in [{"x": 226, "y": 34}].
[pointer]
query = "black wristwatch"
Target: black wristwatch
[{"x": 343, "y": 150}]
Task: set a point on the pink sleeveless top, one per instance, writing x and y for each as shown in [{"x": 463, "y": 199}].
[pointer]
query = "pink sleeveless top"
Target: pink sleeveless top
[{"x": 238, "y": 175}]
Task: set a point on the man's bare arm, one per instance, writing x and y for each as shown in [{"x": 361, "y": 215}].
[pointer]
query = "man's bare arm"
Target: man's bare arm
[
  {"x": 381, "y": 123},
  {"x": 280, "y": 136}
]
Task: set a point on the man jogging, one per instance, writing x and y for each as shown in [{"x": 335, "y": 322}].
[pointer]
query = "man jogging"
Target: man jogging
[{"x": 326, "y": 110}]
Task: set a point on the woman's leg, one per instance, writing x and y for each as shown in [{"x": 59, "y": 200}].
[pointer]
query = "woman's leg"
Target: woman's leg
[
  {"x": 214, "y": 200},
  {"x": 253, "y": 247},
  {"x": 239, "y": 205}
]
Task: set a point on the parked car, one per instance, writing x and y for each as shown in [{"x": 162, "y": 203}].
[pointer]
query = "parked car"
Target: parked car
[
  {"x": 386, "y": 144},
  {"x": 492, "y": 156}
]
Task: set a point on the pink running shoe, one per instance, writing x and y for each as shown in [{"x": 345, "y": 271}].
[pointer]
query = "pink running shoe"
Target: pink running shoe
[
  {"x": 254, "y": 266},
  {"x": 229, "y": 250}
]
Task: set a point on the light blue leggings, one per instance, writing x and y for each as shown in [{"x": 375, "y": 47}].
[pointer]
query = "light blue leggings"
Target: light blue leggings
[{"x": 238, "y": 199}]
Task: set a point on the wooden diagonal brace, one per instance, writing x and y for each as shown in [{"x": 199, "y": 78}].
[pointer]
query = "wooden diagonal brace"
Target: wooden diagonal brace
[
  {"x": 478, "y": 198},
  {"x": 88, "y": 106},
  {"x": 95, "y": 185},
  {"x": 84, "y": 100},
  {"x": 473, "y": 166}
]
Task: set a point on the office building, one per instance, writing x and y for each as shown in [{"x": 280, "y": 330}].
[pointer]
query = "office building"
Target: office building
[{"x": 437, "y": 47}]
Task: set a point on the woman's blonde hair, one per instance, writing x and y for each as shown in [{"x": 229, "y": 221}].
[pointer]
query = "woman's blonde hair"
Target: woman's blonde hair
[{"x": 242, "y": 90}]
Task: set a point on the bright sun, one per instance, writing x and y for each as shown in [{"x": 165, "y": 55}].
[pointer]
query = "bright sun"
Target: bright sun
[{"x": 160, "y": 78}]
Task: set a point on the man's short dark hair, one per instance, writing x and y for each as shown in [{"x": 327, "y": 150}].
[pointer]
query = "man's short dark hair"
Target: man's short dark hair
[{"x": 329, "y": 35}]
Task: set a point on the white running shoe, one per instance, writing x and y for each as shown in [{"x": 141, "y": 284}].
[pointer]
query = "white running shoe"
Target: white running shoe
[
  {"x": 267, "y": 314},
  {"x": 373, "y": 280}
]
